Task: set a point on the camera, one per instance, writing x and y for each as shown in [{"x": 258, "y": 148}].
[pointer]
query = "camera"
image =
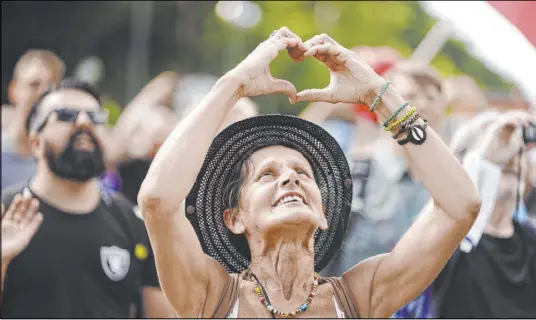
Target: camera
[{"x": 529, "y": 133}]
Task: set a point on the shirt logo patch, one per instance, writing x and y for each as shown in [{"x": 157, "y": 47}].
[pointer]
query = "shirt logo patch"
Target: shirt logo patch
[
  {"x": 140, "y": 251},
  {"x": 115, "y": 262}
]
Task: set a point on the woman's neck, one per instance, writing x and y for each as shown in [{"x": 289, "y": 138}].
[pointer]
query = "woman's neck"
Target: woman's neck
[
  {"x": 286, "y": 269},
  {"x": 501, "y": 222}
]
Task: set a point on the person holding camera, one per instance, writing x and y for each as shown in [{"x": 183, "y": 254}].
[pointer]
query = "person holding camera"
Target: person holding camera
[{"x": 493, "y": 272}]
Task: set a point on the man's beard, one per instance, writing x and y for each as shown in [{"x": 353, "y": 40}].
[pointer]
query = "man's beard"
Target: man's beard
[{"x": 75, "y": 165}]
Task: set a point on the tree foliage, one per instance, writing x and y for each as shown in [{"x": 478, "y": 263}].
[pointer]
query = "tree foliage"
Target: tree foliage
[
  {"x": 398, "y": 24},
  {"x": 187, "y": 36}
]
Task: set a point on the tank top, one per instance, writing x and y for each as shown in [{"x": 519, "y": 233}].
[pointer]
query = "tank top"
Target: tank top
[
  {"x": 345, "y": 305},
  {"x": 234, "y": 311}
]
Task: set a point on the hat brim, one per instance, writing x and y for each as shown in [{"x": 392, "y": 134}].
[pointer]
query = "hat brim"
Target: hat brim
[{"x": 205, "y": 203}]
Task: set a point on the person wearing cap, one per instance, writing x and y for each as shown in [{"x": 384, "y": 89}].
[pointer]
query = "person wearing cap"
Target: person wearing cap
[
  {"x": 242, "y": 220},
  {"x": 388, "y": 192},
  {"x": 492, "y": 274}
]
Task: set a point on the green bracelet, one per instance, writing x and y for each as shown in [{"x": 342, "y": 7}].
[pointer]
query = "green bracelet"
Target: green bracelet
[
  {"x": 378, "y": 97},
  {"x": 395, "y": 114}
]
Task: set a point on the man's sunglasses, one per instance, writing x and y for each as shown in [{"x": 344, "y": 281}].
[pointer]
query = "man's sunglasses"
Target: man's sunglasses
[{"x": 97, "y": 117}]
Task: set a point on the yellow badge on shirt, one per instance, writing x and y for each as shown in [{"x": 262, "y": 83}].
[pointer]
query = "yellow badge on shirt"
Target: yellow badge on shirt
[{"x": 141, "y": 251}]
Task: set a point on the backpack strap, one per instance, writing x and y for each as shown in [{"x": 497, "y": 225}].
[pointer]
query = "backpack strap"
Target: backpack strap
[
  {"x": 344, "y": 296},
  {"x": 228, "y": 298}
]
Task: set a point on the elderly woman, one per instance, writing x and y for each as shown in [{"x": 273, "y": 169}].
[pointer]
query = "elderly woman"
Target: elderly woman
[{"x": 241, "y": 221}]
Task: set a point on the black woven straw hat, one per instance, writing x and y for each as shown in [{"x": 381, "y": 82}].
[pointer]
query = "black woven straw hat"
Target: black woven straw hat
[{"x": 205, "y": 204}]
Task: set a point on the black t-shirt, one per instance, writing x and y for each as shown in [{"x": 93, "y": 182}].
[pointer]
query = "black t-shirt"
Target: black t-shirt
[
  {"x": 497, "y": 279},
  {"x": 132, "y": 174},
  {"x": 531, "y": 202},
  {"x": 80, "y": 265}
]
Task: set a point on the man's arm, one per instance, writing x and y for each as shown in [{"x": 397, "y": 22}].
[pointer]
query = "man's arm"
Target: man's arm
[{"x": 157, "y": 92}]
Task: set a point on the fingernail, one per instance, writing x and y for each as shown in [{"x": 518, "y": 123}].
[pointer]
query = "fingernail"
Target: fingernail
[{"x": 26, "y": 193}]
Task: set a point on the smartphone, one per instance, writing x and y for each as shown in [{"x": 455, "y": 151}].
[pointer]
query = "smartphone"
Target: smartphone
[{"x": 529, "y": 133}]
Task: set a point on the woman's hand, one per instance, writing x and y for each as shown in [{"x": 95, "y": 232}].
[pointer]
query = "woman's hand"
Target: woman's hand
[
  {"x": 254, "y": 72},
  {"x": 351, "y": 79},
  {"x": 19, "y": 225}
]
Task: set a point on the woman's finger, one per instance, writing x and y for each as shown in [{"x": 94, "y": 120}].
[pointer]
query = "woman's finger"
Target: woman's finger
[
  {"x": 316, "y": 40},
  {"x": 285, "y": 32},
  {"x": 295, "y": 47},
  {"x": 278, "y": 46},
  {"x": 323, "y": 49},
  {"x": 285, "y": 87},
  {"x": 320, "y": 39},
  {"x": 325, "y": 94}
]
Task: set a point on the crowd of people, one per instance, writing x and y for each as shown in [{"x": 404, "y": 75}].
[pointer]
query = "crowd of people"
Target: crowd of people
[{"x": 373, "y": 202}]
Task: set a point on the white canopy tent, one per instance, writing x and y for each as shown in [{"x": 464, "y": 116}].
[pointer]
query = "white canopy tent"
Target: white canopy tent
[{"x": 490, "y": 37}]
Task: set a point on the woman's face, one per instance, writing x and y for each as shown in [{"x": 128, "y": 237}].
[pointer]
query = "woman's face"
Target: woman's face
[{"x": 279, "y": 192}]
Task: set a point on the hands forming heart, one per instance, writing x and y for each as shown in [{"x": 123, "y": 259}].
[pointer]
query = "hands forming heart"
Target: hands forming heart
[{"x": 351, "y": 79}]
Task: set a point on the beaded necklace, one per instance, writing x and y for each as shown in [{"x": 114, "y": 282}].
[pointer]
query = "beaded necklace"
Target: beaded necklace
[{"x": 263, "y": 297}]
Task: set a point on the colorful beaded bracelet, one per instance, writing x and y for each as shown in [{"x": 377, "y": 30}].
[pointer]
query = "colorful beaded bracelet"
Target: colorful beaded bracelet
[
  {"x": 405, "y": 126},
  {"x": 395, "y": 114},
  {"x": 378, "y": 97},
  {"x": 399, "y": 121}
]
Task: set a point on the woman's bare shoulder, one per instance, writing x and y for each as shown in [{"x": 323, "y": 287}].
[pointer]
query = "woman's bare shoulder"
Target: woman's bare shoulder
[{"x": 359, "y": 280}]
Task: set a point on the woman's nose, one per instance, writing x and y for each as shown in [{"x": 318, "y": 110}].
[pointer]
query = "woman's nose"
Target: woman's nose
[{"x": 291, "y": 178}]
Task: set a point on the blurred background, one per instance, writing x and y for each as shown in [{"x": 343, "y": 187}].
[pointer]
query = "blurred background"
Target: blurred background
[
  {"x": 121, "y": 45},
  {"x": 462, "y": 63}
]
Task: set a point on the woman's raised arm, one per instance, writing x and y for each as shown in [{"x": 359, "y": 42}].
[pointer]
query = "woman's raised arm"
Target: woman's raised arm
[
  {"x": 385, "y": 283},
  {"x": 192, "y": 281}
]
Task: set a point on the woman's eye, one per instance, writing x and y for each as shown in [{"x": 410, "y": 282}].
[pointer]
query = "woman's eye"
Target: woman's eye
[{"x": 265, "y": 175}]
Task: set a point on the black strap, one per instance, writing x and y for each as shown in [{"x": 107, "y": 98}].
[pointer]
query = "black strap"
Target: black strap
[{"x": 416, "y": 134}]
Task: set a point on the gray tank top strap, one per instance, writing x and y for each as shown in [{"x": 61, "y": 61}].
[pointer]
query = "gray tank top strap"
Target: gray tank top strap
[
  {"x": 228, "y": 298},
  {"x": 344, "y": 296}
]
